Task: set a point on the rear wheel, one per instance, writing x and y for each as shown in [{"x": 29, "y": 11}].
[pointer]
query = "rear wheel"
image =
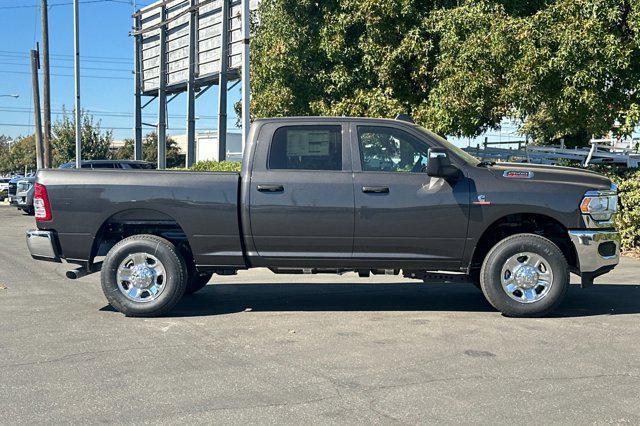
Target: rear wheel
[
  {"x": 525, "y": 275},
  {"x": 143, "y": 275}
]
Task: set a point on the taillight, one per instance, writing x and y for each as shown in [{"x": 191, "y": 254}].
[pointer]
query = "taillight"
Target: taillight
[{"x": 41, "y": 205}]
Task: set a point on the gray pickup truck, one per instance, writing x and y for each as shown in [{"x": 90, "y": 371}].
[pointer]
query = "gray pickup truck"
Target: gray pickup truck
[{"x": 331, "y": 195}]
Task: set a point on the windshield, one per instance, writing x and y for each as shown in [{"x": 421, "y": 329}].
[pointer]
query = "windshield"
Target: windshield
[{"x": 466, "y": 157}]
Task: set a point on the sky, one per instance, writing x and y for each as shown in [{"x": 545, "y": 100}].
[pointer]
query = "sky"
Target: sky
[{"x": 106, "y": 86}]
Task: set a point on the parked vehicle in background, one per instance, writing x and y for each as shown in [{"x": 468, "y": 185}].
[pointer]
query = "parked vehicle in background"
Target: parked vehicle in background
[
  {"x": 24, "y": 187},
  {"x": 24, "y": 194},
  {"x": 330, "y": 195},
  {"x": 4, "y": 188},
  {"x": 111, "y": 164},
  {"x": 13, "y": 187}
]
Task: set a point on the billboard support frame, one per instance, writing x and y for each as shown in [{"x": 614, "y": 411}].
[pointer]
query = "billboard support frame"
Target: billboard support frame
[
  {"x": 191, "y": 94},
  {"x": 162, "y": 96},
  {"x": 177, "y": 45},
  {"x": 246, "y": 87},
  {"x": 223, "y": 82}
]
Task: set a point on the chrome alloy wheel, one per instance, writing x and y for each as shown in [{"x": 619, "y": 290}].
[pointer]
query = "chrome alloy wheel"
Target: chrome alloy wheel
[
  {"x": 526, "y": 277},
  {"x": 141, "y": 277}
]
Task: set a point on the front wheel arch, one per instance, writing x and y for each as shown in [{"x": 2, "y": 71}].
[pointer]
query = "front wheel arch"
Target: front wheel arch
[{"x": 522, "y": 223}]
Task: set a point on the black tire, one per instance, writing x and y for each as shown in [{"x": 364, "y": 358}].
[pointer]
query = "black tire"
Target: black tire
[
  {"x": 474, "y": 279},
  {"x": 197, "y": 282},
  {"x": 173, "y": 287},
  {"x": 490, "y": 275}
]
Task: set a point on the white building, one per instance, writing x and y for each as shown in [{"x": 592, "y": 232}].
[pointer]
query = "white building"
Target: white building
[{"x": 206, "y": 145}]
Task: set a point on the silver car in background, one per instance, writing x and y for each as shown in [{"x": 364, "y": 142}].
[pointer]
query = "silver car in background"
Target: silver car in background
[
  {"x": 4, "y": 188},
  {"x": 24, "y": 194}
]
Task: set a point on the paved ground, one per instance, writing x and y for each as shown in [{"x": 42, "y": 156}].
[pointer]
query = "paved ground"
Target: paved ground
[{"x": 260, "y": 348}]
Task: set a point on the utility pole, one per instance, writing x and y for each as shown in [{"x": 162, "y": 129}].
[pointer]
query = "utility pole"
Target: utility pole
[
  {"x": 36, "y": 107},
  {"x": 223, "y": 80},
  {"x": 246, "y": 116},
  {"x": 137, "y": 76},
  {"x": 46, "y": 91},
  {"x": 76, "y": 48},
  {"x": 162, "y": 94}
]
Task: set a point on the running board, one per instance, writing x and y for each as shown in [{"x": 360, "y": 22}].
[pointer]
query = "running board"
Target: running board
[{"x": 438, "y": 277}]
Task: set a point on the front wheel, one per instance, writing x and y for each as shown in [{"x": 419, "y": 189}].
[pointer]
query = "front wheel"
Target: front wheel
[
  {"x": 525, "y": 275},
  {"x": 144, "y": 276}
]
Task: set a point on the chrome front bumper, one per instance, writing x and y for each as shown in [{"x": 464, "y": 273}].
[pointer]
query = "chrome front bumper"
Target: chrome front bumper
[
  {"x": 43, "y": 245},
  {"x": 598, "y": 252}
]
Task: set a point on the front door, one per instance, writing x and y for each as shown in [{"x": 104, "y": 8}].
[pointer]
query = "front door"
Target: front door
[
  {"x": 403, "y": 216},
  {"x": 301, "y": 198}
]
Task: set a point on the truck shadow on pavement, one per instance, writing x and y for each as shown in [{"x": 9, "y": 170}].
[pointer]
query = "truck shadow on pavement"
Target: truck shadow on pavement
[{"x": 217, "y": 299}]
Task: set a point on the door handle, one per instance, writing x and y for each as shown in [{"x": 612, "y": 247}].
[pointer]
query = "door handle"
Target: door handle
[
  {"x": 270, "y": 188},
  {"x": 375, "y": 189}
]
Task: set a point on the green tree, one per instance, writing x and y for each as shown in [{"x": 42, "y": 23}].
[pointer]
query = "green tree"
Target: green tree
[
  {"x": 4, "y": 154},
  {"x": 21, "y": 154},
  {"x": 95, "y": 141},
  {"x": 563, "y": 68},
  {"x": 150, "y": 151}
]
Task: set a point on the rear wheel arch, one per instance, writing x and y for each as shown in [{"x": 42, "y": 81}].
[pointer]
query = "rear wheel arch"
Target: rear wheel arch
[{"x": 136, "y": 221}]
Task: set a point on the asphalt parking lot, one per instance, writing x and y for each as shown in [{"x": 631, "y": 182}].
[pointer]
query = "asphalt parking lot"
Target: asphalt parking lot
[{"x": 263, "y": 348}]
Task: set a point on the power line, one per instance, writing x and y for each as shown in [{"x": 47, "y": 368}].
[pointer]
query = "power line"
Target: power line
[
  {"x": 70, "y": 67},
  {"x": 106, "y": 77},
  {"x": 109, "y": 127},
  {"x": 68, "y": 55},
  {"x": 107, "y": 61},
  {"x": 123, "y": 114},
  {"x": 31, "y": 6}
]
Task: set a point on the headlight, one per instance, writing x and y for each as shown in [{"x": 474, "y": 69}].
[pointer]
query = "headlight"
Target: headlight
[
  {"x": 600, "y": 205},
  {"x": 23, "y": 186}
]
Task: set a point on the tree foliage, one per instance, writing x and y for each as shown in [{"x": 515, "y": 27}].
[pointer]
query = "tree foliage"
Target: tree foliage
[
  {"x": 150, "y": 151},
  {"x": 563, "y": 68},
  {"x": 19, "y": 155},
  {"x": 95, "y": 141}
]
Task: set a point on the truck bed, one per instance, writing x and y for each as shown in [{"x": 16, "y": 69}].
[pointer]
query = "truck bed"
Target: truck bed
[{"x": 204, "y": 206}]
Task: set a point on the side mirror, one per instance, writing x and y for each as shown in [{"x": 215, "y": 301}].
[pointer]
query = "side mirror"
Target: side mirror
[{"x": 439, "y": 164}]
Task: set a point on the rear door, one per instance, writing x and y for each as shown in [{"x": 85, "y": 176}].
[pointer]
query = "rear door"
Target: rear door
[
  {"x": 402, "y": 215},
  {"x": 301, "y": 192}
]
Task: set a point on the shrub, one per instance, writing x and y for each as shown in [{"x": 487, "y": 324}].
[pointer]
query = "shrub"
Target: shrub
[
  {"x": 628, "y": 217},
  {"x": 216, "y": 166}
]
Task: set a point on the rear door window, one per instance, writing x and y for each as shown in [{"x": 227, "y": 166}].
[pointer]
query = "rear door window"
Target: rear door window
[{"x": 309, "y": 147}]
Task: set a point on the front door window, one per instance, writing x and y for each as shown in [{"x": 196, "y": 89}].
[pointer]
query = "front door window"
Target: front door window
[{"x": 384, "y": 149}]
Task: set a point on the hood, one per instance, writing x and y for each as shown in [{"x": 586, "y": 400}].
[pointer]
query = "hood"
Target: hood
[
  {"x": 30, "y": 179},
  {"x": 551, "y": 174}
]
